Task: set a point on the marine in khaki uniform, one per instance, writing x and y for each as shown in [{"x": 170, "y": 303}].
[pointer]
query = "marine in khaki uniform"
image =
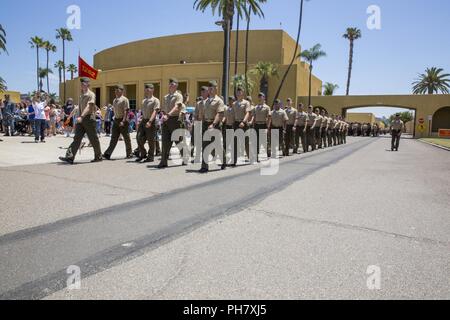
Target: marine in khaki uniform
[
  {"x": 228, "y": 127},
  {"x": 323, "y": 129},
  {"x": 171, "y": 109},
  {"x": 121, "y": 106},
  {"x": 330, "y": 126},
  {"x": 278, "y": 121},
  {"x": 317, "y": 126},
  {"x": 147, "y": 127},
  {"x": 309, "y": 129},
  {"x": 213, "y": 112},
  {"x": 339, "y": 128},
  {"x": 397, "y": 128},
  {"x": 197, "y": 117},
  {"x": 300, "y": 124},
  {"x": 261, "y": 122},
  {"x": 289, "y": 137},
  {"x": 345, "y": 132},
  {"x": 242, "y": 117},
  {"x": 86, "y": 124}
]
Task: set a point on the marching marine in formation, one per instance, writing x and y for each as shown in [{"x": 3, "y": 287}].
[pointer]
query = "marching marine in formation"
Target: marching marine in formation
[
  {"x": 278, "y": 121},
  {"x": 261, "y": 123},
  {"x": 86, "y": 125},
  {"x": 290, "y": 135},
  {"x": 121, "y": 107},
  {"x": 212, "y": 113},
  {"x": 147, "y": 127},
  {"x": 300, "y": 125},
  {"x": 172, "y": 110}
]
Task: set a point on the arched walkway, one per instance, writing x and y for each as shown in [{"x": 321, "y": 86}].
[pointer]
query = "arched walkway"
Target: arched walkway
[
  {"x": 425, "y": 106},
  {"x": 441, "y": 119}
]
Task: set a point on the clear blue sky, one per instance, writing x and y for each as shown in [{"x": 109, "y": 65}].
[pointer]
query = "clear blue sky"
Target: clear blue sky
[{"x": 413, "y": 35}]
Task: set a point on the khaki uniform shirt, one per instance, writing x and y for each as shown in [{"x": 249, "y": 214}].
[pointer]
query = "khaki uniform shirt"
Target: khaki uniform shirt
[
  {"x": 292, "y": 115},
  {"x": 170, "y": 101},
  {"x": 149, "y": 105},
  {"x": 302, "y": 118},
  {"x": 212, "y": 107},
  {"x": 397, "y": 125},
  {"x": 241, "y": 108},
  {"x": 261, "y": 113},
  {"x": 278, "y": 118},
  {"x": 121, "y": 106},
  {"x": 230, "y": 116},
  {"x": 85, "y": 101},
  {"x": 324, "y": 122},
  {"x": 311, "y": 118},
  {"x": 319, "y": 120}
]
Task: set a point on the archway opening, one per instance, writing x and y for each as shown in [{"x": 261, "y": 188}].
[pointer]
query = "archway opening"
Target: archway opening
[
  {"x": 370, "y": 120},
  {"x": 441, "y": 120}
]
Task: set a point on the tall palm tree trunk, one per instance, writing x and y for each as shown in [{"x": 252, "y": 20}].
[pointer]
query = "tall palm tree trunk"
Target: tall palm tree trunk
[
  {"x": 350, "y": 66},
  {"x": 310, "y": 84},
  {"x": 60, "y": 75},
  {"x": 295, "y": 53},
  {"x": 64, "y": 71},
  {"x": 48, "y": 81},
  {"x": 37, "y": 66},
  {"x": 246, "y": 49},
  {"x": 236, "y": 54},
  {"x": 264, "y": 86}
]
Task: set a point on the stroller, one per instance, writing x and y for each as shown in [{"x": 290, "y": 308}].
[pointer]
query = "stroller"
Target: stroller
[{"x": 21, "y": 125}]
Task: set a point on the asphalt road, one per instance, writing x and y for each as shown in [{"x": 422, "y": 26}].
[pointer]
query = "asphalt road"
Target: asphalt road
[{"x": 330, "y": 212}]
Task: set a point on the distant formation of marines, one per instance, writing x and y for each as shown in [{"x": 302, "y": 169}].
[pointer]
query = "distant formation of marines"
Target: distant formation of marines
[{"x": 301, "y": 128}]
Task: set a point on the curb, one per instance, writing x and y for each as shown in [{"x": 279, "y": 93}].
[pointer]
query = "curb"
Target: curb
[{"x": 434, "y": 145}]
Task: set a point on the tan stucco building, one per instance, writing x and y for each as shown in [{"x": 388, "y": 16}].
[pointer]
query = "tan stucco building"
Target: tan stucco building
[
  {"x": 194, "y": 59},
  {"x": 14, "y": 95}
]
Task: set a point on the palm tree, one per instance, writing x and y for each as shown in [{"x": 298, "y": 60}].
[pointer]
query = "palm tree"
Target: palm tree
[
  {"x": 227, "y": 10},
  {"x": 65, "y": 35},
  {"x": 295, "y": 56},
  {"x": 43, "y": 73},
  {"x": 432, "y": 81},
  {"x": 72, "y": 69},
  {"x": 352, "y": 34},
  {"x": 310, "y": 56},
  {"x": 3, "y": 86},
  {"x": 37, "y": 43},
  {"x": 60, "y": 66},
  {"x": 248, "y": 13},
  {"x": 329, "y": 89},
  {"x": 2, "y": 39},
  {"x": 264, "y": 71},
  {"x": 48, "y": 46},
  {"x": 240, "y": 81}
]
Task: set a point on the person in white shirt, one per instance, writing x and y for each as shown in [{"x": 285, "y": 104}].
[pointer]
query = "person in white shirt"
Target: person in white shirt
[{"x": 39, "y": 104}]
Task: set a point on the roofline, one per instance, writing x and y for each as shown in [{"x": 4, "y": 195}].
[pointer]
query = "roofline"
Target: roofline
[{"x": 186, "y": 34}]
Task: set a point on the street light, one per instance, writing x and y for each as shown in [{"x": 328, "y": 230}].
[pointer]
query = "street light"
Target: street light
[{"x": 226, "y": 25}]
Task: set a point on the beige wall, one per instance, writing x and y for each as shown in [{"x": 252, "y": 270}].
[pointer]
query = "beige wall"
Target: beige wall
[
  {"x": 14, "y": 95},
  {"x": 361, "y": 117},
  {"x": 425, "y": 105}
]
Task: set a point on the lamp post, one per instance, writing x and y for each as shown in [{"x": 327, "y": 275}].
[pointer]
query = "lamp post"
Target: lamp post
[{"x": 226, "y": 58}]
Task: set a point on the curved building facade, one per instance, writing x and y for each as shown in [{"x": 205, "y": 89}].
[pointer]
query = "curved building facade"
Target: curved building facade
[{"x": 194, "y": 59}]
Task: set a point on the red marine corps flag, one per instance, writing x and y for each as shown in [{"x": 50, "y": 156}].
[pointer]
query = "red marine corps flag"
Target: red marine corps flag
[{"x": 85, "y": 70}]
